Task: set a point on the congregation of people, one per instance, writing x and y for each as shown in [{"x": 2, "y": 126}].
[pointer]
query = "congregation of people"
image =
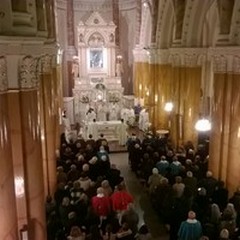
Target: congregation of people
[
  {"x": 191, "y": 203},
  {"x": 91, "y": 201}
]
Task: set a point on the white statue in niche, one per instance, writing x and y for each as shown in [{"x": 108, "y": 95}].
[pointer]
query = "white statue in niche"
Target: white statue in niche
[
  {"x": 75, "y": 68},
  {"x": 80, "y": 37},
  {"x": 119, "y": 67},
  {"x": 111, "y": 37}
]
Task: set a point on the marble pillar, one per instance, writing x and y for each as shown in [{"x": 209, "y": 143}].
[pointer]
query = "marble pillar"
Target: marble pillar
[
  {"x": 163, "y": 94},
  {"x": 14, "y": 111},
  {"x": 225, "y": 134},
  {"x": 176, "y": 123},
  {"x": 190, "y": 98},
  {"x": 49, "y": 125},
  {"x": 150, "y": 95},
  {"x": 138, "y": 81},
  {"x": 233, "y": 166},
  {"x": 32, "y": 155},
  {"x": 8, "y": 213}
]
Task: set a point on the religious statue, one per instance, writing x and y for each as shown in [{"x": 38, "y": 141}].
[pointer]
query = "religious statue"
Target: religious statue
[
  {"x": 119, "y": 69},
  {"x": 81, "y": 37},
  {"x": 75, "y": 69},
  {"x": 111, "y": 37}
]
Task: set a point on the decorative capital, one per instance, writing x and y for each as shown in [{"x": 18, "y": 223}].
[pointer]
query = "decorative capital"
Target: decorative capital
[
  {"x": 175, "y": 60},
  {"x": 46, "y": 64},
  {"x": 236, "y": 65},
  {"x": 219, "y": 64},
  {"x": 3, "y": 74},
  {"x": 190, "y": 60},
  {"x": 54, "y": 61},
  {"x": 28, "y": 73}
]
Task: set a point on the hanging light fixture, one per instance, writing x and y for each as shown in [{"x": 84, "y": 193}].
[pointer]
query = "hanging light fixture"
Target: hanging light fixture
[
  {"x": 203, "y": 125},
  {"x": 168, "y": 107}
]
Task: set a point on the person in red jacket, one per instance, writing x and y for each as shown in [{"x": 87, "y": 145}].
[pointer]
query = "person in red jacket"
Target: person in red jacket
[
  {"x": 101, "y": 205},
  {"x": 120, "y": 200}
]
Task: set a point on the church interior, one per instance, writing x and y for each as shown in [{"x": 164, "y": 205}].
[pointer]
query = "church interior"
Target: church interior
[{"x": 74, "y": 68}]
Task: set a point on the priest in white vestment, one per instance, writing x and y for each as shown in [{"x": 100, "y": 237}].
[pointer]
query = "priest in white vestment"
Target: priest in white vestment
[
  {"x": 113, "y": 112},
  {"x": 90, "y": 115},
  {"x": 131, "y": 117},
  {"x": 92, "y": 129},
  {"x": 66, "y": 123},
  {"x": 102, "y": 113},
  {"x": 124, "y": 114},
  {"x": 144, "y": 120},
  {"x": 123, "y": 135}
]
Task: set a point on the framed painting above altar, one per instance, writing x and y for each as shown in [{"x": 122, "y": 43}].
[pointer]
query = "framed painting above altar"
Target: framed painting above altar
[{"x": 96, "y": 58}]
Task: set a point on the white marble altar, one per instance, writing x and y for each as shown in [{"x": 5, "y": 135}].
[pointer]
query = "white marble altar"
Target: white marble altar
[{"x": 112, "y": 130}]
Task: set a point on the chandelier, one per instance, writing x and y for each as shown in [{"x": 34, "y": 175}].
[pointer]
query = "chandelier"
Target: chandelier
[{"x": 203, "y": 125}]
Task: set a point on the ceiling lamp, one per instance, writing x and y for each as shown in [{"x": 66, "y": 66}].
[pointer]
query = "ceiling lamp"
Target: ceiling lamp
[
  {"x": 168, "y": 107},
  {"x": 145, "y": 4},
  {"x": 203, "y": 125}
]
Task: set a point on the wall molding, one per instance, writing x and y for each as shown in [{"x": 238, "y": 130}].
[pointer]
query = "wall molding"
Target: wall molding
[{"x": 225, "y": 59}]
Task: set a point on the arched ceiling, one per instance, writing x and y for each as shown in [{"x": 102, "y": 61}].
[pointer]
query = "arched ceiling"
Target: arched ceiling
[{"x": 193, "y": 23}]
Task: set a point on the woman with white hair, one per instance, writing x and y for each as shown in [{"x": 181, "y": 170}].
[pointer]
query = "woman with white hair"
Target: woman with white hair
[
  {"x": 178, "y": 187},
  {"x": 107, "y": 188},
  {"x": 224, "y": 234},
  {"x": 76, "y": 234},
  {"x": 228, "y": 220}
]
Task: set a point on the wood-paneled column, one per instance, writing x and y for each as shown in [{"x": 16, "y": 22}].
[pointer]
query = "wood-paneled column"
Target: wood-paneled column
[
  {"x": 49, "y": 120},
  {"x": 225, "y": 134},
  {"x": 8, "y": 213},
  {"x": 186, "y": 74},
  {"x": 31, "y": 145},
  {"x": 163, "y": 94},
  {"x": 190, "y": 94}
]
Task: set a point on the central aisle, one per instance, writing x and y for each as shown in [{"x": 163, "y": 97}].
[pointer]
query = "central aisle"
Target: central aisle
[{"x": 142, "y": 203}]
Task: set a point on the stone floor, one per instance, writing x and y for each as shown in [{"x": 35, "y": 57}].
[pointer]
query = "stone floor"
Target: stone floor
[{"x": 142, "y": 203}]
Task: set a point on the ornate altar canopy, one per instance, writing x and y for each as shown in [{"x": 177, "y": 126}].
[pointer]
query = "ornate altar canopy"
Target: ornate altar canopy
[{"x": 96, "y": 70}]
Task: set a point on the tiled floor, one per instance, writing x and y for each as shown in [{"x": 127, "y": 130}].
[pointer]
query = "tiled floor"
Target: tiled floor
[{"x": 142, "y": 203}]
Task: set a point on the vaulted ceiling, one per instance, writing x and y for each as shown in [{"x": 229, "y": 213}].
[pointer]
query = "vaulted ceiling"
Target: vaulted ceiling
[{"x": 191, "y": 23}]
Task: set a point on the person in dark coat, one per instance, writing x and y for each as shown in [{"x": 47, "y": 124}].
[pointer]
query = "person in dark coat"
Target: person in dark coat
[
  {"x": 190, "y": 183},
  {"x": 235, "y": 200},
  {"x": 220, "y": 196},
  {"x": 209, "y": 183},
  {"x": 131, "y": 217}
]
